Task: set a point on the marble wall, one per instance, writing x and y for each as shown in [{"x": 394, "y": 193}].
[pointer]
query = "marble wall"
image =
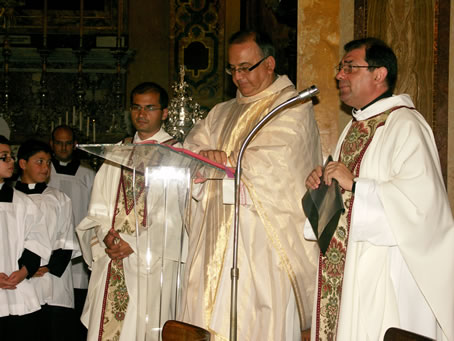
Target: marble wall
[{"x": 324, "y": 27}]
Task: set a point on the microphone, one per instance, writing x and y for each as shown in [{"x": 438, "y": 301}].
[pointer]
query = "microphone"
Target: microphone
[{"x": 303, "y": 95}]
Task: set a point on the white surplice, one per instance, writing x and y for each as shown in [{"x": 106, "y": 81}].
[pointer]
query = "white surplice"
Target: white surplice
[
  {"x": 57, "y": 210},
  {"x": 78, "y": 188},
  {"x": 22, "y": 227}
]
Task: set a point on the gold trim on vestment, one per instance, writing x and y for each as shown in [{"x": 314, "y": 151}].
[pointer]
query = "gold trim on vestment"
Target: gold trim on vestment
[
  {"x": 124, "y": 221},
  {"x": 274, "y": 238},
  {"x": 332, "y": 263},
  {"x": 243, "y": 118}
]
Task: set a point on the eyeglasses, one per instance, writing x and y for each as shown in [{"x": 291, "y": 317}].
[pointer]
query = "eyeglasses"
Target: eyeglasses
[
  {"x": 348, "y": 68},
  {"x": 146, "y": 108},
  {"x": 7, "y": 158},
  {"x": 243, "y": 69}
]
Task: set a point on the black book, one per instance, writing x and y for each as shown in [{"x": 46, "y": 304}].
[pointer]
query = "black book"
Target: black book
[{"x": 323, "y": 207}]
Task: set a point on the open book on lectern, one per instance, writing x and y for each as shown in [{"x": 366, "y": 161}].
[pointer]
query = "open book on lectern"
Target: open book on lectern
[{"x": 158, "y": 155}]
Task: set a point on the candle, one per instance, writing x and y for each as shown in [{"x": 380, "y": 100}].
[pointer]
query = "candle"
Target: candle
[
  {"x": 59, "y": 121},
  {"x": 120, "y": 21},
  {"x": 66, "y": 122},
  {"x": 45, "y": 25},
  {"x": 51, "y": 127},
  {"x": 80, "y": 121},
  {"x": 81, "y": 25},
  {"x": 74, "y": 116},
  {"x": 88, "y": 126},
  {"x": 94, "y": 131}
]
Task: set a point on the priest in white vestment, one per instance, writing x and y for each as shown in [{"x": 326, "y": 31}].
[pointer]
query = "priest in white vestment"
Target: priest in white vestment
[
  {"x": 115, "y": 309},
  {"x": 276, "y": 265},
  {"x": 389, "y": 263}
]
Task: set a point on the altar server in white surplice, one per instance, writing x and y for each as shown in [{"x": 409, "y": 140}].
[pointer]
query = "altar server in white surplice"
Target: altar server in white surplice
[
  {"x": 74, "y": 179},
  {"x": 23, "y": 243},
  {"x": 53, "y": 280}
]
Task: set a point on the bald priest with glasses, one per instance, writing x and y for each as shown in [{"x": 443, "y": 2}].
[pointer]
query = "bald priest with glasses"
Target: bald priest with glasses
[{"x": 276, "y": 265}]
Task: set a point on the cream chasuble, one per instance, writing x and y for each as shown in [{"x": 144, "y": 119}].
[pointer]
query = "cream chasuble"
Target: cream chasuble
[{"x": 277, "y": 267}]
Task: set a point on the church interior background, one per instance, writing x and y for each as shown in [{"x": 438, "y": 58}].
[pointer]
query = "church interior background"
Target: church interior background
[{"x": 75, "y": 61}]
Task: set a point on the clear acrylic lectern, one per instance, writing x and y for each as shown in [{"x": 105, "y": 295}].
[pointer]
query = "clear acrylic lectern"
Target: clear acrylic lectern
[{"x": 162, "y": 177}]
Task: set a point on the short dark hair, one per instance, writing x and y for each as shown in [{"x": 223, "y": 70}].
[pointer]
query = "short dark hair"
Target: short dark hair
[
  {"x": 377, "y": 53},
  {"x": 262, "y": 39},
  {"x": 4, "y": 140},
  {"x": 146, "y": 87},
  {"x": 31, "y": 147},
  {"x": 64, "y": 127}
]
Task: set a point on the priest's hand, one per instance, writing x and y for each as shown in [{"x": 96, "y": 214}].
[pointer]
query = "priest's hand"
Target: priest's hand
[
  {"x": 41, "y": 271},
  {"x": 117, "y": 248},
  {"x": 313, "y": 180},
  {"x": 218, "y": 156},
  {"x": 306, "y": 335},
  {"x": 340, "y": 172}
]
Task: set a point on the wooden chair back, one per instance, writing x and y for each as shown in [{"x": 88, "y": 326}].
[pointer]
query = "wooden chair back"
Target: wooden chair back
[
  {"x": 396, "y": 334},
  {"x": 180, "y": 331}
]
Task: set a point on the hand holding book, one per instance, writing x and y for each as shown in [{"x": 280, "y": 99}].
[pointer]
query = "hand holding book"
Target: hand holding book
[{"x": 323, "y": 207}]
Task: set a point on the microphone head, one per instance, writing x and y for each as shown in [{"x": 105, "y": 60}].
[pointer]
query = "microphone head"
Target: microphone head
[{"x": 309, "y": 92}]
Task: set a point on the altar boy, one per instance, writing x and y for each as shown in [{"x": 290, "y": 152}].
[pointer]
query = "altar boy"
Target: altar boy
[
  {"x": 53, "y": 280},
  {"x": 23, "y": 242}
]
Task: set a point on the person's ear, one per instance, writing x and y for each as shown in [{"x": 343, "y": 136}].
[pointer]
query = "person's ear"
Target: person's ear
[
  {"x": 22, "y": 164},
  {"x": 165, "y": 113},
  {"x": 380, "y": 74},
  {"x": 270, "y": 63}
]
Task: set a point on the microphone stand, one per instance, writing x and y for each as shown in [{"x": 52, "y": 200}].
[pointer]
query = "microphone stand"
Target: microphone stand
[{"x": 234, "y": 273}]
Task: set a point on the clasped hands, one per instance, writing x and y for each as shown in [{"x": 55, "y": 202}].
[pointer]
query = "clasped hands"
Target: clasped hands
[
  {"x": 333, "y": 170},
  {"x": 117, "y": 248},
  {"x": 10, "y": 282}
]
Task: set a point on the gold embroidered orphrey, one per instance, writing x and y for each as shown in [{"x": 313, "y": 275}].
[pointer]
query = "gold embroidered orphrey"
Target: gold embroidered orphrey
[
  {"x": 331, "y": 265},
  {"x": 116, "y": 297}
]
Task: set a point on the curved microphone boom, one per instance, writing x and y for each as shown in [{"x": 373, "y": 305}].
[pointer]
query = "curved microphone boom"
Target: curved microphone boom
[{"x": 234, "y": 274}]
